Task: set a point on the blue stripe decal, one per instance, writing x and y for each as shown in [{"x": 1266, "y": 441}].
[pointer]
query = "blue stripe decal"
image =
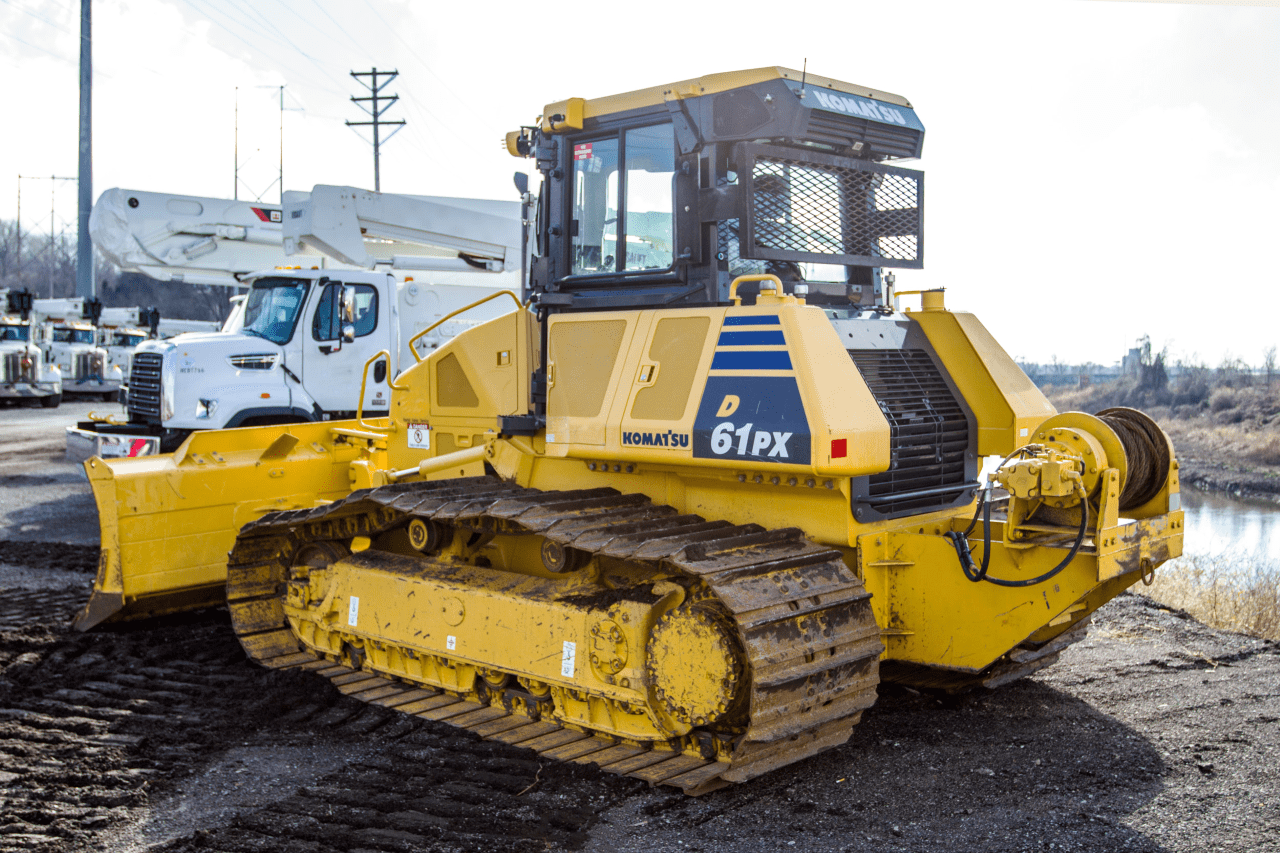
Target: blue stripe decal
[
  {"x": 761, "y": 320},
  {"x": 752, "y": 339},
  {"x": 751, "y": 361}
]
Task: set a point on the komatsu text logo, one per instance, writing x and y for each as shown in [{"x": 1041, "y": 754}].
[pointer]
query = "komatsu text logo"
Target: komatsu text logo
[
  {"x": 859, "y": 107},
  {"x": 656, "y": 439}
]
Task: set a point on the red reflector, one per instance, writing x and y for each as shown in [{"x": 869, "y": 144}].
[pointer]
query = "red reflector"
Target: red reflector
[{"x": 839, "y": 448}]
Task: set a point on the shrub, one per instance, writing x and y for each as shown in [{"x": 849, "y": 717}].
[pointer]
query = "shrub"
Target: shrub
[{"x": 1223, "y": 398}]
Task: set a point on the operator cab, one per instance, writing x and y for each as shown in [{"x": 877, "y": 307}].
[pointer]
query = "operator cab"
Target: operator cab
[{"x": 663, "y": 197}]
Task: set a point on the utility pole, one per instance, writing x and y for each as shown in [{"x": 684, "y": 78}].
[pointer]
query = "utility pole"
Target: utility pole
[
  {"x": 53, "y": 234},
  {"x": 375, "y": 95},
  {"x": 282, "y": 146},
  {"x": 85, "y": 284},
  {"x": 235, "y": 172}
]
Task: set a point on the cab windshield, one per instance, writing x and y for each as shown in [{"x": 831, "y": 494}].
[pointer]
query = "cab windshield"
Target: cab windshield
[
  {"x": 120, "y": 339},
  {"x": 272, "y": 308},
  {"x": 15, "y": 333},
  {"x": 64, "y": 335}
]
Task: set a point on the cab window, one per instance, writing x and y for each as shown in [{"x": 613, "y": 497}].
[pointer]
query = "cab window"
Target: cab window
[
  {"x": 63, "y": 335},
  {"x": 328, "y": 322},
  {"x": 622, "y": 203}
]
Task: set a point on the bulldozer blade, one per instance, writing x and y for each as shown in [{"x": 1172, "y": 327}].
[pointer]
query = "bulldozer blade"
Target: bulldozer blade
[{"x": 169, "y": 521}]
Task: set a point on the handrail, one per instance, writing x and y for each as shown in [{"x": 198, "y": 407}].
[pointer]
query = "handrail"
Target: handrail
[
  {"x": 364, "y": 376},
  {"x": 733, "y": 288},
  {"x": 453, "y": 314}
]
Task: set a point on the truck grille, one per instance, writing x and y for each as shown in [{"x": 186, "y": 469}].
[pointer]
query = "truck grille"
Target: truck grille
[
  {"x": 928, "y": 433},
  {"x": 88, "y": 366},
  {"x": 13, "y": 369},
  {"x": 144, "y": 387}
]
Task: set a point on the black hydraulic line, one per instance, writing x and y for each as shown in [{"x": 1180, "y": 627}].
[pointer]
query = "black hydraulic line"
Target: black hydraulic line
[{"x": 961, "y": 543}]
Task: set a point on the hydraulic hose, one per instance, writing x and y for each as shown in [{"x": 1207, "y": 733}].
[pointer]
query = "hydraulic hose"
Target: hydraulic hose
[{"x": 961, "y": 543}]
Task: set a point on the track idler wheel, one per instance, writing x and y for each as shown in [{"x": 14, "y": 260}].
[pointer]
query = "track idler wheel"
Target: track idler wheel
[
  {"x": 426, "y": 536},
  {"x": 559, "y": 559},
  {"x": 695, "y": 665}
]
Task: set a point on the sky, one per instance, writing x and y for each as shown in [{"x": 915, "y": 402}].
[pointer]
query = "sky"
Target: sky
[{"x": 1095, "y": 171}]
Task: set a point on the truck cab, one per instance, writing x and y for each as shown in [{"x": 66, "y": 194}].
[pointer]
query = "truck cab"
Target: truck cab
[
  {"x": 120, "y": 344},
  {"x": 24, "y": 374},
  {"x": 299, "y": 355},
  {"x": 72, "y": 345}
]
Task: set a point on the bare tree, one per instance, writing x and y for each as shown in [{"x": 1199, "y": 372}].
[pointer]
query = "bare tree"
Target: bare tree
[{"x": 1269, "y": 364}]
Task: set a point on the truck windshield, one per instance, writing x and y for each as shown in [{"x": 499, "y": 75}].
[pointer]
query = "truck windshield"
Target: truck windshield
[
  {"x": 272, "y": 308},
  {"x": 64, "y": 335},
  {"x": 123, "y": 339},
  {"x": 15, "y": 333}
]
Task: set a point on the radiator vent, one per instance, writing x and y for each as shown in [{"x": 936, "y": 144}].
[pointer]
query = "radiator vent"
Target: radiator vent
[{"x": 928, "y": 433}]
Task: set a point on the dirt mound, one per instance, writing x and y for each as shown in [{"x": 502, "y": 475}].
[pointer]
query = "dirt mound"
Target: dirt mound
[{"x": 101, "y": 730}]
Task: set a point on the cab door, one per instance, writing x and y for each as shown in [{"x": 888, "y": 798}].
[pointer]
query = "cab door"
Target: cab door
[{"x": 350, "y": 323}]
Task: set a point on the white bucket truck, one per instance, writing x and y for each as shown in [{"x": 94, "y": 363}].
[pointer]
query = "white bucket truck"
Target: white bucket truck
[
  {"x": 24, "y": 372},
  {"x": 305, "y": 335},
  {"x": 69, "y": 340}
]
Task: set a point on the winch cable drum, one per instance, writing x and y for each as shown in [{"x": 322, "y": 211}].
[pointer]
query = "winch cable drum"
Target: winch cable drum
[
  {"x": 1147, "y": 451},
  {"x": 1147, "y": 457}
]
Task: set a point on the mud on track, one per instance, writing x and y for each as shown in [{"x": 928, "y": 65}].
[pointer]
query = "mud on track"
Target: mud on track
[{"x": 93, "y": 728}]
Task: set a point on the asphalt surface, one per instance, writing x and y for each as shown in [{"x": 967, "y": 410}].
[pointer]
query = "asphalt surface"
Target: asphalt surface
[{"x": 1155, "y": 733}]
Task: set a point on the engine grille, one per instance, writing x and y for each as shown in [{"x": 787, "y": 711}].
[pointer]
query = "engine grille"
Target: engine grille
[
  {"x": 88, "y": 365},
  {"x": 144, "y": 386},
  {"x": 928, "y": 432},
  {"x": 13, "y": 371}
]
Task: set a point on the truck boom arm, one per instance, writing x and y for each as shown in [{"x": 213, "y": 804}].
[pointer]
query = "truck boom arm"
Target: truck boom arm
[
  {"x": 188, "y": 238},
  {"x": 408, "y": 232}
]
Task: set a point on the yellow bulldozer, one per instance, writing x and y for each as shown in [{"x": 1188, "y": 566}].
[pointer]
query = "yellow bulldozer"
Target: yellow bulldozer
[{"x": 681, "y": 510}]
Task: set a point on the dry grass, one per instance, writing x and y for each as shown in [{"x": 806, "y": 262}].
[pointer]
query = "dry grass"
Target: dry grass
[
  {"x": 1223, "y": 591},
  {"x": 1266, "y": 451}
]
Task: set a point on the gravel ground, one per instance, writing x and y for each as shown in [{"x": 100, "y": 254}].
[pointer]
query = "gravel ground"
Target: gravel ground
[{"x": 1155, "y": 733}]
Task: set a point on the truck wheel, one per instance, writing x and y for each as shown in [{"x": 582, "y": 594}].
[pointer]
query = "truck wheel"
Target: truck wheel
[
  {"x": 52, "y": 401},
  {"x": 110, "y": 396}
]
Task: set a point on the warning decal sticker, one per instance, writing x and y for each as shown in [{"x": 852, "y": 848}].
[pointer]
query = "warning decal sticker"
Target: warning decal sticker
[{"x": 418, "y": 435}]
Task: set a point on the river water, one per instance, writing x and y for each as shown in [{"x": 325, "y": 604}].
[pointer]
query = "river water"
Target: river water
[{"x": 1218, "y": 525}]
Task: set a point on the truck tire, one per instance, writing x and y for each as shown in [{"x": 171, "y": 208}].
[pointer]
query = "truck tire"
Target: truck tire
[{"x": 52, "y": 401}]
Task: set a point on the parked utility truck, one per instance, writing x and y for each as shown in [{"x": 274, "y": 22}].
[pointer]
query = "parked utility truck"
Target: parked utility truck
[
  {"x": 308, "y": 341},
  {"x": 24, "y": 372},
  {"x": 70, "y": 340}
]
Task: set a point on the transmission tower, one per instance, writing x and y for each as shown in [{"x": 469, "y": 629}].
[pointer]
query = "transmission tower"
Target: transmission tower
[{"x": 375, "y": 112}]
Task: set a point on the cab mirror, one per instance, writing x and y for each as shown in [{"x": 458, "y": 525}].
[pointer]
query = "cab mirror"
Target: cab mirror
[
  {"x": 348, "y": 333},
  {"x": 347, "y": 305}
]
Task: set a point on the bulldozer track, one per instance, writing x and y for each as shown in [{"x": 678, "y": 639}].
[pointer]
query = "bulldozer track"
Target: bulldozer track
[
  {"x": 94, "y": 728},
  {"x": 802, "y": 616}
]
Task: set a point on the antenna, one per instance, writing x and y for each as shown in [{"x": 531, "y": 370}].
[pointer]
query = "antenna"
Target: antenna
[{"x": 804, "y": 71}]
